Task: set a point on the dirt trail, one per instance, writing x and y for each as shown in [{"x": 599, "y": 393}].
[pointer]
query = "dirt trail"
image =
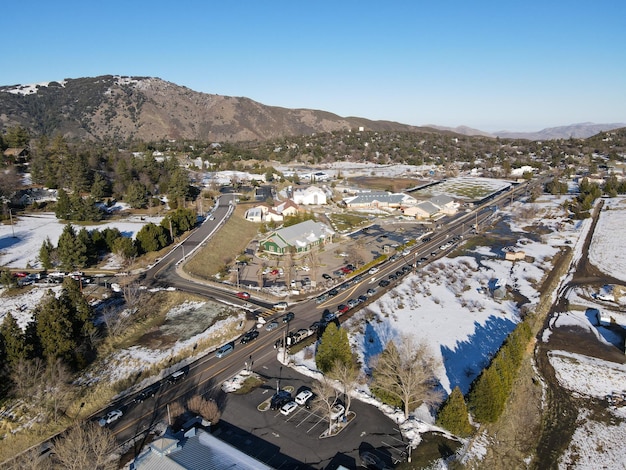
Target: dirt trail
[{"x": 561, "y": 411}]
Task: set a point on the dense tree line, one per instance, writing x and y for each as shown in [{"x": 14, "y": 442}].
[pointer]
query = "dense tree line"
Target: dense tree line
[
  {"x": 85, "y": 248},
  {"x": 492, "y": 388}
]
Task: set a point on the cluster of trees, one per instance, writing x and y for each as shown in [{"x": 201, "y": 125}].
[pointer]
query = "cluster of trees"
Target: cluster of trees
[
  {"x": 492, "y": 388},
  {"x": 39, "y": 359},
  {"x": 83, "y": 249}
]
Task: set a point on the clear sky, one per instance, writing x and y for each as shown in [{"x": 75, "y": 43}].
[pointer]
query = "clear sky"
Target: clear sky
[{"x": 490, "y": 65}]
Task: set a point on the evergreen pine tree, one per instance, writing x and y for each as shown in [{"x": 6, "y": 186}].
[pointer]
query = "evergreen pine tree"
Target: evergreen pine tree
[
  {"x": 334, "y": 345},
  {"x": 54, "y": 328},
  {"x": 46, "y": 254},
  {"x": 63, "y": 208},
  {"x": 14, "y": 340},
  {"x": 487, "y": 398},
  {"x": 453, "y": 415}
]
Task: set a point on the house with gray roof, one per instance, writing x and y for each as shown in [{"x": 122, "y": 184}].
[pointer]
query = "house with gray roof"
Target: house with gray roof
[
  {"x": 195, "y": 450},
  {"x": 300, "y": 237},
  {"x": 379, "y": 200}
]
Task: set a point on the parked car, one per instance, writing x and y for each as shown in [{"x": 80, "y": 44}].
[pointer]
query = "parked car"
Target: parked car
[
  {"x": 343, "y": 308},
  {"x": 271, "y": 325},
  {"x": 110, "y": 417},
  {"x": 337, "y": 411},
  {"x": 383, "y": 283},
  {"x": 370, "y": 292},
  {"x": 287, "y": 408},
  {"x": 321, "y": 298},
  {"x": 280, "y": 398},
  {"x": 243, "y": 295},
  {"x": 249, "y": 336},
  {"x": 333, "y": 292},
  {"x": 362, "y": 298},
  {"x": 328, "y": 315},
  {"x": 392, "y": 277},
  {"x": 328, "y": 277},
  {"x": 287, "y": 317},
  {"x": 225, "y": 350},
  {"x": 281, "y": 306},
  {"x": 303, "y": 397},
  {"x": 353, "y": 303}
]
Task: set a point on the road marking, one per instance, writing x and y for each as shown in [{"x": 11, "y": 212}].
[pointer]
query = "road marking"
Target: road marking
[{"x": 275, "y": 434}]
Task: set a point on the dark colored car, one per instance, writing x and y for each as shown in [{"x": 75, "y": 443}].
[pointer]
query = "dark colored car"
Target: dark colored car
[
  {"x": 328, "y": 277},
  {"x": 333, "y": 292},
  {"x": 392, "y": 277},
  {"x": 280, "y": 398},
  {"x": 249, "y": 336},
  {"x": 362, "y": 298},
  {"x": 288, "y": 317},
  {"x": 147, "y": 392},
  {"x": 383, "y": 283}
]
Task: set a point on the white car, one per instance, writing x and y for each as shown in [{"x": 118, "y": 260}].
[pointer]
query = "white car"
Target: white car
[
  {"x": 288, "y": 408},
  {"x": 337, "y": 411},
  {"x": 303, "y": 397},
  {"x": 111, "y": 416},
  {"x": 373, "y": 270}
]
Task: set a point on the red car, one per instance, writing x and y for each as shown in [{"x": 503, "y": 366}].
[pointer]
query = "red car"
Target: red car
[
  {"x": 243, "y": 295},
  {"x": 343, "y": 308},
  {"x": 274, "y": 272}
]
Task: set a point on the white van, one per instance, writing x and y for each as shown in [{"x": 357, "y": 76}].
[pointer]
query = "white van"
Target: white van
[{"x": 280, "y": 306}]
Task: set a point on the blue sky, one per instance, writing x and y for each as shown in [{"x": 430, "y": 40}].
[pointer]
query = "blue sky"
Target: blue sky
[{"x": 490, "y": 65}]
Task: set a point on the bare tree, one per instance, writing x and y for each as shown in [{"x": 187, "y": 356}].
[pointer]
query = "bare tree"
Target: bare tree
[
  {"x": 115, "y": 320},
  {"x": 86, "y": 446},
  {"x": 406, "y": 372},
  {"x": 208, "y": 409},
  {"x": 58, "y": 392},
  {"x": 325, "y": 397},
  {"x": 30, "y": 460},
  {"x": 346, "y": 375},
  {"x": 26, "y": 376},
  {"x": 313, "y": 259}
]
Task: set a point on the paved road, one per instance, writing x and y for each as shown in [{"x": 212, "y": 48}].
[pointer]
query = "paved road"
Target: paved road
[{"x": 283, "y": 442}]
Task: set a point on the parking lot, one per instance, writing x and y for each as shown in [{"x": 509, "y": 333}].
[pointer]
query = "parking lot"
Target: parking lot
[
  {"x": 358, "y": 248},
  {"x": 294, "y": 441}
]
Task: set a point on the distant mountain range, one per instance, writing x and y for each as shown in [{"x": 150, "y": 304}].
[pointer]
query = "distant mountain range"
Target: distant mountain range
[
  {"x": 577, "y": 131},
  {"x": 150, "y": 109}
]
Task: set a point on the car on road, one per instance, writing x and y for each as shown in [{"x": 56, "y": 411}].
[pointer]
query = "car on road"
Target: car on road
[
  {"x": 287, "y": 317},
  {"x": 303, "y": 397},
  {"x": 110, "y": 417},
  {"x": 373, "y": 270},
  {"x": 211, "y": 218},
  {"x": 249, "y": 336},
  {"x": 271, "y": 325},
  {"x": 343, "y": 308},
  {"x": 243, "y": 295},
  {"x": 177, "y": 376},
  {"x": 288, "y": 408},
  {"x": 147, "y": 392},
  {"x": 225, "y": 350},
  {"x": 280, "y": 306},
  {"x": 337, "y": 411}
]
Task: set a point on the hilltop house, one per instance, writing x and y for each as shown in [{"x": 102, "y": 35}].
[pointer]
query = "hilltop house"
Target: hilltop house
[{"x": 300, "y": 237}]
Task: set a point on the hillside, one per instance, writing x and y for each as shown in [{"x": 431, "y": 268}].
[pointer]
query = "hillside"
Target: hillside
[{"x": 148, "y": 109}]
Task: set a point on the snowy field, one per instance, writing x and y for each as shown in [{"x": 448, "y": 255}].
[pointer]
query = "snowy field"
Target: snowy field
[{"x": 20, "y": 244}]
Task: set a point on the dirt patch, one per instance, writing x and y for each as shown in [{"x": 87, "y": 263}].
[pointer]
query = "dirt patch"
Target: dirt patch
[{"x": 182, "y": 323}]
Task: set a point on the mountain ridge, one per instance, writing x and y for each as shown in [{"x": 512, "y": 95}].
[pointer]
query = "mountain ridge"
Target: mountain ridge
[{"x": 149, "y": 109}]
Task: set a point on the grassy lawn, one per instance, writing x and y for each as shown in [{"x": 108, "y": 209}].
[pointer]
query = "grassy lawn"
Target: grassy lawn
[
  {"x": 346, "y": 221},
  {"x": 222, "y": 249}
]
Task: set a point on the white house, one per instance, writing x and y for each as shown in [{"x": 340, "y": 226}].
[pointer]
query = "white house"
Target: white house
[{"x": 311, "y": 195}]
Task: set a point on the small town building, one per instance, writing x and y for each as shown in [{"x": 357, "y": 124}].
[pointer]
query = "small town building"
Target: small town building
[
  {"x": 311, "y": 195},
  {"x": 300, "y": 238}
]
